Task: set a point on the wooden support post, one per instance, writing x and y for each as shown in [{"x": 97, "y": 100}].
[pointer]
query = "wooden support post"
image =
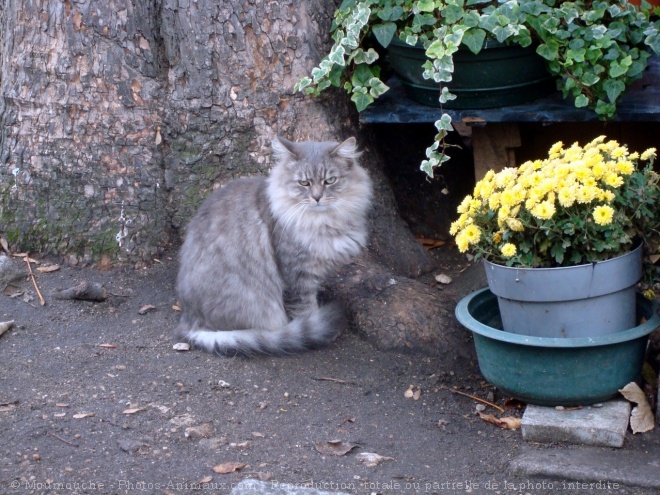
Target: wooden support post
[{"x": 494, "y": 147}]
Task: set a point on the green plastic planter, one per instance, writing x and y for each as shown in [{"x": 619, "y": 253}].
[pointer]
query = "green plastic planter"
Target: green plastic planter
[
  {"x": 498, "y": 76},
  {"x": 552, "y": 371}
]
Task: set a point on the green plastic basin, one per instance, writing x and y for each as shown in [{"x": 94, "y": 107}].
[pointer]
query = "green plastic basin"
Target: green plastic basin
[{"x": 556, "y": 371}]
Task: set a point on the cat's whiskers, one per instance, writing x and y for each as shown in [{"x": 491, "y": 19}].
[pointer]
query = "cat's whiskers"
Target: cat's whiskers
[{"x": 291, "y": 214}]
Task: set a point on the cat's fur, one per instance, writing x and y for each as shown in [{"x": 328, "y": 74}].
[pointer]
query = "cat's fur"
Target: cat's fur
[{"x": 258, "y": 250}]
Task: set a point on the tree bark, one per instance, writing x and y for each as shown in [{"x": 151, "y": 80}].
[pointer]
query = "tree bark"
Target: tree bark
[{"x": 118, "y": 117}]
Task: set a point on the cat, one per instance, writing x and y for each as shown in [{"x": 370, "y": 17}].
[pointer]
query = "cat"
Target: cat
[{"x": 257, "y": 251}]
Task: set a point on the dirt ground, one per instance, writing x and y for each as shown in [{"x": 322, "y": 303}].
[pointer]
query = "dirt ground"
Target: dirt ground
[{"x": 93, "y": 399}]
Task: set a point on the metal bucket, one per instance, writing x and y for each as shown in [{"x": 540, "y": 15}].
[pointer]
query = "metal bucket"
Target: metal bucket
[{"x": 576, "y": 301}]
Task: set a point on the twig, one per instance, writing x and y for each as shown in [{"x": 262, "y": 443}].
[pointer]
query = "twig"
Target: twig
[
  {"x": 34, "y": 281},
  {"x": 64, "y": 440},
  {"x": 87, "y": 291},
  {"x": 334, "y": 380},
  {"x": 454, "y": 391}
]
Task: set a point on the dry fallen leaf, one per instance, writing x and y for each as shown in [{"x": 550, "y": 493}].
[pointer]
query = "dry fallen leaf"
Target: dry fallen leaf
[
  {"x": 370, "y": 459},
  {"x": 507, "y": 422},
  {"x": 8, "y": 407},
  {"x": 48, "y": 268},
  {"x": 335, "y": 447},
  {"x": 4, "y": 244},
  {"x": 146, "y": 308},
  {"x": 6, "y": 325},
  {"x": 176, "y": 308},
  {"x": 228, "y": 467},
  {"x": 133, "y": 410},
  {"x": 641, "y": 417},
  {"x": 84, "y": 415},
  {"x": 205, "y": 479}
]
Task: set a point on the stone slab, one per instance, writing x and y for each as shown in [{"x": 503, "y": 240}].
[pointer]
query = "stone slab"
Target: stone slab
[
  {"x": 604, "y": 426},
  {"x": 255, "y": 487},
  {"x": 589, "y": 469}
]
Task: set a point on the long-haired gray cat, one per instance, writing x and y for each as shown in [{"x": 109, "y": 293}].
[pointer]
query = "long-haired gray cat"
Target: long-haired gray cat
[{"x": 258, "y": 250}]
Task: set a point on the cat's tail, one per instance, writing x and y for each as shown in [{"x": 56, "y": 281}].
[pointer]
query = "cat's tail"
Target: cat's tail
[{"x": 317, "y": 329}]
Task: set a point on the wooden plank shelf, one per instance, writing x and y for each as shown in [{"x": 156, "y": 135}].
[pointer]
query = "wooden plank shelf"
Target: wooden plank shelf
[
  {"x": 640, "y": 103},
  {"x": 496, "y": 131}
]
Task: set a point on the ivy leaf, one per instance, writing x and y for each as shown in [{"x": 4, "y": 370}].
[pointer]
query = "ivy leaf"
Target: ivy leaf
[
  {"x": 336, "y": 56},
  {"x": 362, "y": 57},
  {"x": 614, "y": 89},
  {"x": 384, "y": 33},
  {"x": 474, "y": 40},
  {"x": 549, "y": 51},
  {"x": 302, "y": 84},
  {"x": 452, "y": 13},
  {"x": 361, "y": 98},
  {"x": 589, "y": 79},
  {"x": 444, "y": 124},
  {"x": 378, "y": 87},
  {"x": 617, "y": 69},
  {"x": 426, "y": 5}
]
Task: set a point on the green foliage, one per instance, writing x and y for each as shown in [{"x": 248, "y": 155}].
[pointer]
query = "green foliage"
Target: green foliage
[{"x": 595, "y": 48}]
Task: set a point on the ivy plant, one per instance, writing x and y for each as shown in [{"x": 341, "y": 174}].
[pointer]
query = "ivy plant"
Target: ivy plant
[{"x": 594, "y": 48}]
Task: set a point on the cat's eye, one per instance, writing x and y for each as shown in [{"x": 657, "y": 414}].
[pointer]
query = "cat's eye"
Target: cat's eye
[
  {"x": 304, "y": 183},
  {"x": 330, "y": 180}
]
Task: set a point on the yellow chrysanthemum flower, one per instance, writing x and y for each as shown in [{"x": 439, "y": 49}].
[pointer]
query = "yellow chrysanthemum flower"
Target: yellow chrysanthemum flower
[
  {"x": 566, "y": 196},
  {"x": 603, "y": 214},
  {"x": 544, "y": 210},
  {"x": 508, "y": 250},
  {"x": 556, "y": 148},
  {"x": 505, "y": 177},
  {"x": 619, "y": 152},
  {"x": 586, "y": 195},
  {"x": 515, "y": 224},
  {"x": 625, "y": 167},
  {"x": 649, "y": 154},
  {"x": 461, "y": 242},
  {"x": 613, "y": 180},
  {"x": 464, "y": 207},
  {"x": 472, "y": 234}
]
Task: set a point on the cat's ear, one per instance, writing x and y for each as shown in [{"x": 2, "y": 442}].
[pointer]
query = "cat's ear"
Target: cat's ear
[
  {"x": 283, "y": 148},
  {"x": 347, "y": 150}
]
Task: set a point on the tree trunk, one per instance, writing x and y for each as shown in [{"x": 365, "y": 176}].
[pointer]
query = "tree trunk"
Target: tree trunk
[{"x": 118, "y": 117}]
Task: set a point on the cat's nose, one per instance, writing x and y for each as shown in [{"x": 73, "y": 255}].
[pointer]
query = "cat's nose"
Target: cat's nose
[{"x": 316, "y": 193}]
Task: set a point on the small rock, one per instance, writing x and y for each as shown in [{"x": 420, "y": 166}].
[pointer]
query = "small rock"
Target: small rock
[
  {"x": 443, "y": 279},
  {"x": 371, "y": 459},
  {"x": 480, "y": 407},
  {"x": 212, "y": 443},
  {"x": 204, "y": 430},
  {"x": 181, "y": 346},
  {"x": 130, "y": 445}
]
